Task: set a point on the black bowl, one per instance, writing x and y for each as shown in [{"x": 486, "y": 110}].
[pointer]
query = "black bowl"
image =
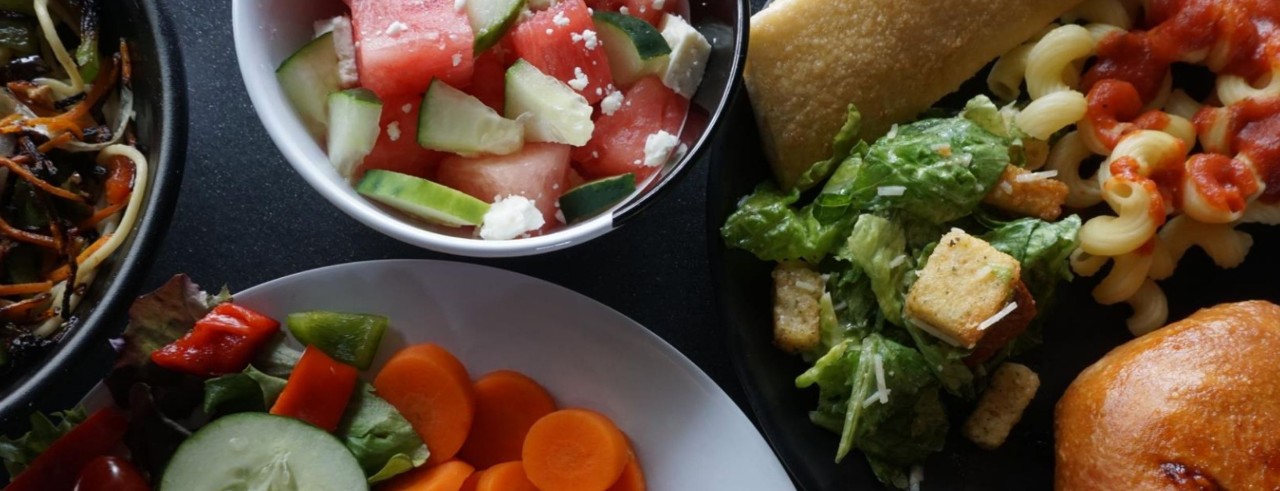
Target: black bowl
[
  {"x": 1079, "y": 332},
  {"x": 161, "y": 123}
]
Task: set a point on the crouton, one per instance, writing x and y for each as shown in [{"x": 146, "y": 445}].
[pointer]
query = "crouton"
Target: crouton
[
  {"x": 966, "y": 287},
  {"x": 1041, "y": 198},
  {"x": 797, "y": 290},
  {"x": 1001, "y": 406},
  {"x": 1007, "y": 328}
]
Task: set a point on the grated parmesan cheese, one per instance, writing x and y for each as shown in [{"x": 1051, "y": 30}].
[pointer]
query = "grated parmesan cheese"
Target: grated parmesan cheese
[
  {"x": 1006, "y": 187},
  {"x": 897, "y": 261},
  {"x": 1008, "y": 309},
  {"x": 808, "y": 286},
  {"x": 891, "y": 190},
  {"x": 916, "y": 477},
  {"x": 1036, "y": 176},
  {"x": 881, "y": 388},
  {"x": 893, "y": 131}
]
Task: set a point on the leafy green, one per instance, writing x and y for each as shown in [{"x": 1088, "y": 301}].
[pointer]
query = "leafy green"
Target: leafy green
[
  {"x": 1042, "y": 247},
  {"x": 945, "y": 167},
  {"x": 766, "y": 225},
  {"x": 277, "y": 358},
  {"x": 248, "y": 391},
  {"x": 18, "y": 453},
  {"x": 841, "y": 146},
  {"x": 945, "y": 361},
  {"x": 378, "y": 435},
  {"x": 878, "y": 247},
  {"x": 162, "y": 316}
]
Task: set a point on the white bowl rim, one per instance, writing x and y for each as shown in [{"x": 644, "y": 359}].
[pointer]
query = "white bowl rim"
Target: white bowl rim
[{"x": 290, "y": 138}]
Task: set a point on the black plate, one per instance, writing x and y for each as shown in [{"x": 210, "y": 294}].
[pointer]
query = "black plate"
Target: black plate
[
  {"x": 1078, "y": 333},
  {"x": 160, "y": 103}
]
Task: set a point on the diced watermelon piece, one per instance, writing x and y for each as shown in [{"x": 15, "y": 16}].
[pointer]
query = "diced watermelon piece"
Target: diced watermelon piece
[
  {"x": 401, "y": 45},
  {"x": 617, "y": 146},
  {"x": 553, "y": 40},
  {"x": 489, "y": 84},
  {"x": 536, "y": 172},
  {"x": 402, "y": 154},
  {"x": 573, "y": 179},
  {"x": 641, "y": 9}
]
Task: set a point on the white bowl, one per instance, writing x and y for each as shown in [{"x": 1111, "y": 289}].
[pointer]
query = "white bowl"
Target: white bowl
[
  {"x": 685, "y": 430},
  {"x": 268, "y": 31}
]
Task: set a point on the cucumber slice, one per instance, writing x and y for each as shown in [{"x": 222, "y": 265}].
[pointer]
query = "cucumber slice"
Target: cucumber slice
[
  {"x": 349, "y": 338},
  {"x": 262, "y": 451},
  {"x": 354, "y": 127},
  {"x": 592, "y": 198},
  {"x": 422, "y": 198},
  {"x": 635, "y": 48},
  {"x": 453, "y": 121},
  {"x": 490, "y": 20},
  {"x": 307, "y": 77},
  {"x": 550, "y": 110}
]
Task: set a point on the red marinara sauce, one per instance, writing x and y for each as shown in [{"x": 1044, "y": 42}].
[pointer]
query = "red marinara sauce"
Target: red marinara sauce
[
  {"x": 1258, "y": 139},
  {"x": 1223, "y": 182},
  {"x": 1127, "y": 169}
]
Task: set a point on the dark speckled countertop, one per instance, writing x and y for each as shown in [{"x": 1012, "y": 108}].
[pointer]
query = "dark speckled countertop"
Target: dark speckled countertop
[{"x": 245, "y": 217}]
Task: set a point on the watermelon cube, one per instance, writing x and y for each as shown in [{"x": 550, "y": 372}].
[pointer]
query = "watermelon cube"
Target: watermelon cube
[
  {"x": 401, "y": 45},
  {"x": 536, "y": 172},
  {"x": 561, "y": 42},
  {"x": 618, "y": 144}
]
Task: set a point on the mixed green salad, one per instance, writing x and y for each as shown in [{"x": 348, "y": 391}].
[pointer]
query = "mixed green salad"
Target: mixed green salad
[
  {"x": 868, "y": 220},
  {"x": 207, "y": 394}
]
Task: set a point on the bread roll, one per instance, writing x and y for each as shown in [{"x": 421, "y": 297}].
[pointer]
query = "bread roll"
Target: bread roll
[
  {"x": 808, "y": 59},
  {"x": 1195, "y": 406}
]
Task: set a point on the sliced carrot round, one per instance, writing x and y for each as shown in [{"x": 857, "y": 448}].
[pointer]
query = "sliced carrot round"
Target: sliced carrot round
[
  {"x": 632, "y": 478},
  {"x": 507, "y": 405},
  {"x": 448, "y": 476},
  {"x": 507, "y": 476},
  {"x": 472, "y": 481},
  {"x": 575, "y": 450},
  {"x": 432, "y": 390}
]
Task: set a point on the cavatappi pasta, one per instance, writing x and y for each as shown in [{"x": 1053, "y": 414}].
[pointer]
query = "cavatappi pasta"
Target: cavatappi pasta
[{"x": 1175, "y": 172}]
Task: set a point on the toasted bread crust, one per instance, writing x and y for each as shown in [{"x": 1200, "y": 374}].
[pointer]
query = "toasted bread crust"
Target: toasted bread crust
[
  {"x": 809, "y": 59},
  {"x": 1193, "y": 405}
]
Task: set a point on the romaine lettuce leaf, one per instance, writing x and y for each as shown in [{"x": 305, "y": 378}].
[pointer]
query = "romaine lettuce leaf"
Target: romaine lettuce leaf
[
  {"x": 18, "y": 453},
  {"x": 1043, "y": 248},
  {"x": 247, "y": 391},
  {"x": 878, "y": 247},
  {"x": 945, "y": 167},
  {"x": 378, "y": 435},
  {"x": 765, "y": 224},
  {"x": 841, "y": 146}
]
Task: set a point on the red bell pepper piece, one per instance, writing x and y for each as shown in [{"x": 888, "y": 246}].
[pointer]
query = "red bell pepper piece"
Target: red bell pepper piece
[
  {"x": 222, "y": 342},
  {"x": 318, "y": 390},
  {"x": 58, "y": 467}
]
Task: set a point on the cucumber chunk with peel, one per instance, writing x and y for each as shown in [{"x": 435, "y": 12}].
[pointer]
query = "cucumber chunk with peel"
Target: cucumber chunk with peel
[
  {"x": 307, "y": 77},
  {"x": 592, "y": 198},
  {"x": 353, "y": 127},
  {"x": 451, "y": 120},
  {"x": 422, "y": 198},
  {"x": 550, "y": 110},
  {"x": 634, "y": 48},
  {"x": 491, "y": 19}
]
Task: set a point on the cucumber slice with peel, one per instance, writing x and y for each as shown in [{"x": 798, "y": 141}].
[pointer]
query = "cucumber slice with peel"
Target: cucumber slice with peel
[
  {"x": 592, "y": 198},
  {"x": 262, "y": 451},
  {"x": 422, "y": 198},
  {"x": 550, "y": 110},
  {"x": 634, "y": 48},
  {"x": 307, "y": 77},
  {"x": 353, "y": 127},
  {"x": 490, "y": 20},
  {"x": 451, "y": 120}
]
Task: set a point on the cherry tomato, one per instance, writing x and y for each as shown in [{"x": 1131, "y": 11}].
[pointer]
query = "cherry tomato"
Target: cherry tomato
[{"x": 109, "y": 473}]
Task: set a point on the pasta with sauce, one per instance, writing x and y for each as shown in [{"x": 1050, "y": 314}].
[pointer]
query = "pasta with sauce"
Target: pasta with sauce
[{"x": 1177, "y": 172}]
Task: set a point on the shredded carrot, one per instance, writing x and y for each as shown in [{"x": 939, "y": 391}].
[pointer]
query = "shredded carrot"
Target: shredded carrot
[
  {"x": 69, "y": 120},
  {"x": 126, "y": 72},
  {"x": 25, "y": 236},
  {"x": 65, "y": 270},
  {"x": 25, "y": 288},
  {"x": 100, "y": 215},
  {"x": 45, "y": 186},
  {"x": 55, "y": 142}
]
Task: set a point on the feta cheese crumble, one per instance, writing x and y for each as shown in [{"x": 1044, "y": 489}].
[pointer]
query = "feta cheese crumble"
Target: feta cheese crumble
[
  {"x": 509, "y": 218},
  {"x": 579, "y": 81},
  {"x": 658, "y": 147},
  {"x": 551, "y": 31},
  {"x": 396, "y": 28},
  {"x": 624, "y": 11},
  {"x": 393, "y": 130},
  {"x": 406, "y": 108},
  {"x": 344, "y": 46},
  {"x": 459, "y": 4},
  {"x": 560, "y": 19},
  {"x": 611, "y": 103},
  {"x": 588, "y": 38},
  {"x": 657, "y": 4},
  {"x": 457, "y": 59}
]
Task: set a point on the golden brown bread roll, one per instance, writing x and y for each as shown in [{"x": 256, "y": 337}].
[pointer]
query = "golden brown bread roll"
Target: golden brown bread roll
[
  {"x": 808, "y": 59},
  {"x": 1192, "y": 406}
]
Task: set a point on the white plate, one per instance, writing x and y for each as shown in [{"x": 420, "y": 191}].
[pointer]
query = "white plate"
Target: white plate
[{"x": 687, "y": 433}]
